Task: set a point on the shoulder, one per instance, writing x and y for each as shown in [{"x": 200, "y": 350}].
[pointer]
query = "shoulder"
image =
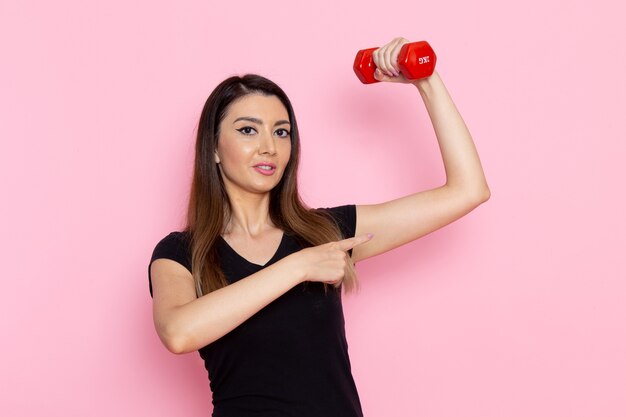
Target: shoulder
[
  {"x": 344, "y": 216},
  {"x": 175, "y": 246},
  {"x": 172, "y": 240}
]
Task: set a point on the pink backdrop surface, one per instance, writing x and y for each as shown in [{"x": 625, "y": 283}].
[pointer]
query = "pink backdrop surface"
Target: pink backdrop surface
[{"x": 518, "y": 309}]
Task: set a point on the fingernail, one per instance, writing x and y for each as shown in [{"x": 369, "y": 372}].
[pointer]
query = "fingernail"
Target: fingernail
[{"x": 370, "y": 235}]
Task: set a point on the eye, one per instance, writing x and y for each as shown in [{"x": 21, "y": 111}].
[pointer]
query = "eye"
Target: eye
[
  {"x": 287, "y": 133},
  {"x": 246, "y": 128}
]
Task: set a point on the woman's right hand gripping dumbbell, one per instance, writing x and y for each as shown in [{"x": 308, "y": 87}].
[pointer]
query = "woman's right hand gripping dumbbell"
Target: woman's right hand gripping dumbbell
[{"x": 327, "y": 262}]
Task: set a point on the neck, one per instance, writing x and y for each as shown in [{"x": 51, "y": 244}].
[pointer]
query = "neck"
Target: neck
[{"x": 249, "y": 215}]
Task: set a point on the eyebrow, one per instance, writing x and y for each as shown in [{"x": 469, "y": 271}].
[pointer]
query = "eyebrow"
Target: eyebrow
[{"x": 260, "y": 122}]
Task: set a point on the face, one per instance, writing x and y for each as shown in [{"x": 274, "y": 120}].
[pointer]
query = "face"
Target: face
[{"x": 254, "y": 136}]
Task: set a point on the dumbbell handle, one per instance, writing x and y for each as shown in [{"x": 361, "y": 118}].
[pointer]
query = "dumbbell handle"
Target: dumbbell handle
[{"x": 416, "y": 60}]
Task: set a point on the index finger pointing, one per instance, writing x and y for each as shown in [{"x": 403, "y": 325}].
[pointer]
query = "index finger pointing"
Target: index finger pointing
[{"x": 351, "y": 242}]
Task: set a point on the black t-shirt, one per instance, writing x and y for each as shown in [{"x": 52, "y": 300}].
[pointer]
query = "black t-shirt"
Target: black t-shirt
[{"x": 291, "y": 357}]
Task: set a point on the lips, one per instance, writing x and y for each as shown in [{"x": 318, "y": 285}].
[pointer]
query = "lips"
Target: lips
[
  {"x": 265, "y": 165},
  {"x": 265, "y": 168}
]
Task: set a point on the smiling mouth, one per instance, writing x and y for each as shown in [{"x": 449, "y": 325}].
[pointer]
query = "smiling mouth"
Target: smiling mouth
[{"x": 265, "y": 169}]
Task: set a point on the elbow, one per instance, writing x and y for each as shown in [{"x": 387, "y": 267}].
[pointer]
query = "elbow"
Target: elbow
[
  {"x": 473, "y": 195},
  {"x": 175, "y": 345},
  {"x": 484, "y": 195},
  {"x": 174, "y": 340},
  {"x": 479, "y": 196},
  {"x": 181, "y": 342}
]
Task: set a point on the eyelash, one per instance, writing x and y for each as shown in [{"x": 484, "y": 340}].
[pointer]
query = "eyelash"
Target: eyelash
[{"x": 249, "y": 127}]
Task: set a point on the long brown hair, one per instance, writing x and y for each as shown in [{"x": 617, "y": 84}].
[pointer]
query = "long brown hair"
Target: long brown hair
[{"x": 209, "y": 204}]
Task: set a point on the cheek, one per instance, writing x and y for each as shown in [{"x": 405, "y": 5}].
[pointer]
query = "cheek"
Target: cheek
[
  {"x": 286, "y": 150},
  {"x": 235, "y": 153}
]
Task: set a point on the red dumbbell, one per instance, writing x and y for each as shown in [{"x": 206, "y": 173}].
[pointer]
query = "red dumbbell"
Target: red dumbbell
[{"x": 416, "y": 60}]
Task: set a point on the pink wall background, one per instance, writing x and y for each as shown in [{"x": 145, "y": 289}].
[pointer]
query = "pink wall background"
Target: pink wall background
[{"x": 517, "y": 309}]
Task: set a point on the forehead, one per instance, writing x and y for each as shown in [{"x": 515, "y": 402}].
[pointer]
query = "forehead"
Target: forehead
[{"x": 256, "y": 105}]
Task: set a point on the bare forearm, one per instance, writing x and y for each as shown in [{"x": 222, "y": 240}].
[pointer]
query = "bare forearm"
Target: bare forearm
[
  {"x": 460, "y": 158},
  {"x": 207, "y": 318},
  {"x": 203, "y": 320}
]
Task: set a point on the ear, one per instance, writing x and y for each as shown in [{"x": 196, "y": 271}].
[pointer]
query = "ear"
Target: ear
[{"x": 217, "y": 158}]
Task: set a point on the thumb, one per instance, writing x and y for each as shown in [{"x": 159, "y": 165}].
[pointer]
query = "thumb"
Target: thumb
[
  {"x": 378, "y": 74},
  {"x": 351, "y": 242}
]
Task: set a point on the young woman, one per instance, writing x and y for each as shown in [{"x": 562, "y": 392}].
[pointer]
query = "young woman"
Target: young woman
[{"x": 254, "y": 281}]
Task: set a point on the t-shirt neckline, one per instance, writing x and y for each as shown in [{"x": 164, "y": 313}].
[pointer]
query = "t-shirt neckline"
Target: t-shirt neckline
[{"x": 280, "y": 245}]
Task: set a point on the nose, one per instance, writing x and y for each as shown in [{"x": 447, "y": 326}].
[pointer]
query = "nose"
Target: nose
[{"x": 267, "y": 144}]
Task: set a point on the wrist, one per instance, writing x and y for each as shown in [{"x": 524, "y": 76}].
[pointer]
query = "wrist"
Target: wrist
[
  {"x": 426, "y": 85},
  {"x": 293, "y": 269}
]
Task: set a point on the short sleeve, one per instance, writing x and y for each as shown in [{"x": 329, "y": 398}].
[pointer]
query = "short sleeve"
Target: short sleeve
[
  {"x": 174, "y": 246},
  {"x": 345, "y": 217}
]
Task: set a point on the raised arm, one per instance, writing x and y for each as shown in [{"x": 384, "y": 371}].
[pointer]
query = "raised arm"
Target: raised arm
[
  {"x": 405, "y": 219},
  {"x": 186, "y": 323}
]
